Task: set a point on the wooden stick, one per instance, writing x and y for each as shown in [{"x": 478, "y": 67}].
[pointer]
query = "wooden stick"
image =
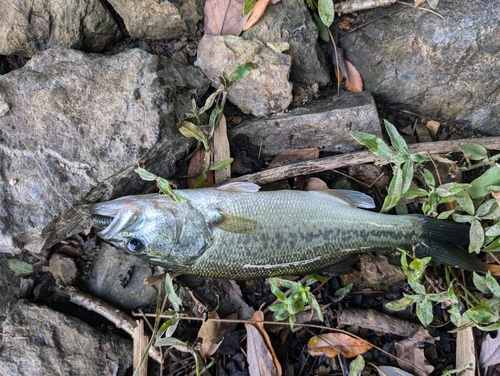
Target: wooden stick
[{"x": 338, "y": 161}]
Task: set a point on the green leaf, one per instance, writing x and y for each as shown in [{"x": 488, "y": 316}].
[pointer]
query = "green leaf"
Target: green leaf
[
  {"x": 169, "y": 326},
  {"x": 476, "y": 234},
  {"x": 485, "y": 208},
  {"x": 479, "y": 314},
  {"x": 446, "y": 214},
  {"x": 492, "y": 285},
  {"x": 315, "y": 305},
  {"x": 342, "y": 292},
  {"x": 424, "y": 312},
  {"x": 19, "y": 267},
  {"x": 396, "y": 140},
  {"x": 169, "y": 341},
  {"x": 493, "y": 230},
  {"x": 399, "y": 305},
  {"x": 322, "y": 29},
  {"x": 417, "y": 287},
  {"x": 489, "y": 328},
  {"x": 450, "y": 189},
  {"x": 419, "y": 158},
  {"x": 455, "y": 314},
  {"x": 407, "y": 176},
  {"x": 210, "y": 101},
  {"x": 248, "y": 6},
  {"x": 214, "y": 119},
  {"x": 164, "y": 186},
  {"x": 145, "y": 175},
  {"x": 357, "y": 366},
  {"x": 479, "y": 187},
  {"x": 463, "y": 218},
  {"x": 451, "y": 294},
  {"x": 221, "y": 164},
  {"x": 418, "y": 265},
  {"x": 394, "y": 190},
  {"x": 429, "y": 178},
  {"x": 465, "y": 202},
  {"x": 326, "y": 11},
  {"x": 172, "y": 295},
  {"x": 480, "y": 283},
  {"x": 413, "y": 192},
  {"x": 474, "y": 151},
  {"x": 241, "y": 72},
  {"x": 374, "y": 144},
  {"x": 494, "y": 246},
  {"x": 202, "y": 178},
  {"x": 189, "y": 129},
  {"x": 277, "y": 292},
  {"x": 316, "y": 278},
  {"x": 283, "y": 282}
]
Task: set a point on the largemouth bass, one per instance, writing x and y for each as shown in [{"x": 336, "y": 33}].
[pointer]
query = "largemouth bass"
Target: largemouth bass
[{"x": 236, "y": 232}]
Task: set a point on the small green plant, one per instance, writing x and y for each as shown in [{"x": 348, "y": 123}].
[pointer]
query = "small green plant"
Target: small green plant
[
  {"x": 203, "y": 132},
  {"x": 471, "y": 203}
]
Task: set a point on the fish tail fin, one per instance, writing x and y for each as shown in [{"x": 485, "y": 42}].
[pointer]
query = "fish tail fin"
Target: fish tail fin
[{"x": 443, "y": 241}]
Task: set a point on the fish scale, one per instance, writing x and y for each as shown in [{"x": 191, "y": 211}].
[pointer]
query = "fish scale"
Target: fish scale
[{"x": 240, "y": 235}]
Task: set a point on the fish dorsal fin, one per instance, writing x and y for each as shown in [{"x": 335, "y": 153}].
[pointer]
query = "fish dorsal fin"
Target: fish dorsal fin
[
  {"x": 236, "y": 224},
  {"x": 239, "y": 186},
  {"x": 355, "y": 198}
]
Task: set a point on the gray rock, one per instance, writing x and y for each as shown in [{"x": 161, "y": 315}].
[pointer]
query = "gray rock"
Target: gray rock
[
  {"x": 444, "y": 70},
  {"x": 110, "y": 269},
  {"x": 77, "y": 127},
  {"x": 63, "y": 269},
  {"x": 30, "y": 26},
  {"x": 290, "y": 21},
  {"x": 38, "y": 341},
  {"x": 326, "y": 124},
  {"x": 191, "y": 12},
  {"x": 150, "y": 19},
  {"x": 265, "y": 90}
]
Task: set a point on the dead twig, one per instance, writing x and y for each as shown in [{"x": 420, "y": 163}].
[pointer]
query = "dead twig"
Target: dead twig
[{"x": 344, "y": 160}]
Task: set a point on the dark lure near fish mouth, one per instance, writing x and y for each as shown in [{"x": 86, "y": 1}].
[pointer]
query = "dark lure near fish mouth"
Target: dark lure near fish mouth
[{"x": 236, "y": 232}]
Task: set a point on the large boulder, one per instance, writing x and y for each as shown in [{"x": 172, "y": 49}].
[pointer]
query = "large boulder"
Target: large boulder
[
  {"x": 31, "y": 26},
  {"x": 74, "y": 128},
  {"x": 442, "y": 69}
]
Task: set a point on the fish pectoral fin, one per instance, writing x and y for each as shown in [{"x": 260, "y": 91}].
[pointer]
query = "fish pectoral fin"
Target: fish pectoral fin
[
  {"x": 239, "y": 186},
  {"x": 355, "y": 198},
  {"x": 236, "y": 224},
  {"x": 342, "y": 267}
]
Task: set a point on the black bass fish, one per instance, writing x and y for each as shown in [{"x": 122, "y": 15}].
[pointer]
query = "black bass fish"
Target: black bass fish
[{"x": 236, "y": 232}]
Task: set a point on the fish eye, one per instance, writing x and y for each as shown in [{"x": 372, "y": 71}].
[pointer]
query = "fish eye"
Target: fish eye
[{"x": 135, "y": 245}]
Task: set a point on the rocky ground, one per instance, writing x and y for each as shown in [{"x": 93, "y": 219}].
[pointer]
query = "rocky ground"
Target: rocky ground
[{"x": 80, "y": 107}]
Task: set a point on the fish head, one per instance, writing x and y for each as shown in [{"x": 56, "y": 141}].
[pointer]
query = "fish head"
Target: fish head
[{"x": 155, "y": 228}]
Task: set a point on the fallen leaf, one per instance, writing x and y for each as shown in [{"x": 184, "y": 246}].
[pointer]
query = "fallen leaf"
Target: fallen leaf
[
  {"x": 262, "y": 359},
  {"x": 490, "y": 351},
  {"x": 353, "y": 82},
  {"x": 224, "y": 17},
  {"x": 211, "y": 335},
  {"x": 305, "y": 154},
  {"x": 411, "y": 356},
  {"x": 466, "y": 352},
  {"x": 315, "y": 184},
  {"x": 196, "y": 165},
  {"x": 494, "y": 269},
  {"x": 332, "y": 344},
  {"x": 220, "y": 147},
  {"x": 391, "y": 371},
  {"x": 257, "y": 13}
]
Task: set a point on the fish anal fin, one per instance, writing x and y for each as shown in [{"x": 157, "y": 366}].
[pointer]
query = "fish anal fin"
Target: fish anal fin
[
  {"x": 343, "y": 267},
  {"x": 355, "y": 198},
  {"x": 239, "y": 186},
  {"x": 236, "y": 224}
]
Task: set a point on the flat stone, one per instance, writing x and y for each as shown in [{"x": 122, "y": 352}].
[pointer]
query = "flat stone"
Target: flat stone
[
  {"x": 266, "y": 89},
  {"x": 326, "y": 124},
  {"x": 40, "y": 341},
  {"x": 31, "y": 26},
  {"x": 150, "y": 19},
  {"x": 291, "y": 22},
  {"x": 443, "y": 70},
  {"x": 77, "y": 126}
]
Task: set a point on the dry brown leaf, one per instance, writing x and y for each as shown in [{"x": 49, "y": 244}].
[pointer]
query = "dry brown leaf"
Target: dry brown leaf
[
  {"x": 224, "y": 17},
  {"x": 354, "y": 82},
  {"x": 305, "y": 154},
  {"x": 494, "y": 269},
  {"x": 220, "y": 146},
  {"x": 466, "y": 352},
  {"x": 409, "y": 350},
  {"x": 197, "y": 164},
  {"x": 140, "y": 347},
  {"x": 211, "y": 335},
  {"x": 257, "y": 12},
  {"x": 332, "y": 344},
  {"x": 262, "y": 360},
  {"x": 496, "y": 196},
  {"x": 259, "y": 316},
  {"x": 315, "y": 184}
]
